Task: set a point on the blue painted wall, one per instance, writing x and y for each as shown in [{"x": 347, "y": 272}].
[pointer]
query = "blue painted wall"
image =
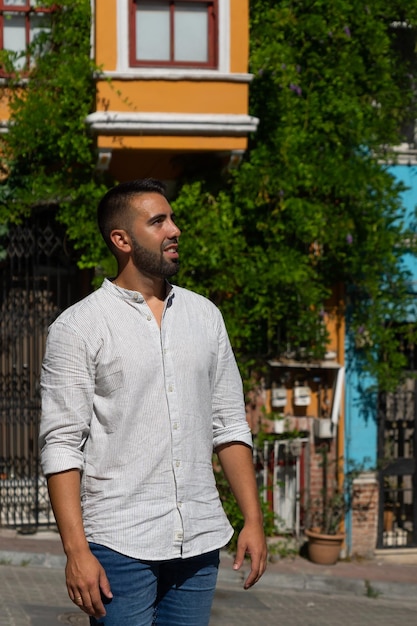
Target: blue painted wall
[
  {"x": 407, "y": 174},
  {"x": 360, "y": 420}
]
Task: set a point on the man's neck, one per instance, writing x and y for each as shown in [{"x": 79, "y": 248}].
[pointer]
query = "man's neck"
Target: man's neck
[{"x": 151, "y": 287}]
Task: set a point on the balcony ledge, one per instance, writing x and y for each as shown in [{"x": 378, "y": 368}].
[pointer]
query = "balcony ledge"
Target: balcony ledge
[{"x": 116, "y": 123}]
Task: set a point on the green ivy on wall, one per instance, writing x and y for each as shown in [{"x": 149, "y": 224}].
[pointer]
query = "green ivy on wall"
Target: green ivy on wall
[
  {"x": 314, "y": 205},
  {"x": 48, "y": 154}
]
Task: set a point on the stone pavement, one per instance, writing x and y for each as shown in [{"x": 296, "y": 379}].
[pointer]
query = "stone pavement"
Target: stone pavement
[{"x": 377, "y": 592}]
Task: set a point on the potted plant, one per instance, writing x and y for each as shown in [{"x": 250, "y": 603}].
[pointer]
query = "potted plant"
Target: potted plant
[
  {"x": 324, "y": 537},
  {"x": 278, "y": 420},
  {"x": 326, "y": 513}
]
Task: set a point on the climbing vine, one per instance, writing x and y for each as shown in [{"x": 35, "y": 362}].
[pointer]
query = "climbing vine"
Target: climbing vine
[
  {"x": 48, "y": 155},
  {"x": 314, "y": 204}
]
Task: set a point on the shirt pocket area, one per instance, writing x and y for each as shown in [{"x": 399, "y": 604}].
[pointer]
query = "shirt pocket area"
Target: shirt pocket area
[
  {"x": 106, "y": 398},
  {"x": 109, "y": 382}
]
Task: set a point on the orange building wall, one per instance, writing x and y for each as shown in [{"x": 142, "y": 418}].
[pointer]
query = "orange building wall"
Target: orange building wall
[
  {"x": 106, "y": 34},
  {"x": 4, "y": 104},
  {"x": 176, "y": 143},
  {"x": 172, "y": 97},
  {"x": 239, "y": 36}
]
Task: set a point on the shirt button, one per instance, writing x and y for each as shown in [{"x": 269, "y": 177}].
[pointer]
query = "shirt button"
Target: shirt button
[
  {"x": 179, "y": 504},
  {"x": 149, "y": 317},
  {"x": 175, "y": 426},
  {"x": 170, "y": 388},
  {"x": 177, "y": 463}
]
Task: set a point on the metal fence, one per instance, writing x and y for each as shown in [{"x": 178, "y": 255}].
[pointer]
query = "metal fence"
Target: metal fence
[
  {"x": 38, "y": 279},
  {"x": 398, "y": 467}
]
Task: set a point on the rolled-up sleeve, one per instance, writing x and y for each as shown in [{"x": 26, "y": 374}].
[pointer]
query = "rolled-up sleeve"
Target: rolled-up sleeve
[
  {"x": 67, "y": 389},
  {"x": 229, "y": 415}
]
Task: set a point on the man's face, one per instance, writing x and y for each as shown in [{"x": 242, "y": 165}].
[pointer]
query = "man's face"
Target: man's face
[{"x": 154, "y": 236}]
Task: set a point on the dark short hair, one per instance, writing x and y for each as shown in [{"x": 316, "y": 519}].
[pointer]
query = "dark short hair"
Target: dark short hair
[{"x": 113, "y": 209}]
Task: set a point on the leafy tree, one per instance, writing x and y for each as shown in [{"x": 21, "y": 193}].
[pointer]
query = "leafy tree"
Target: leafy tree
[
  {"x": 48, "y": 155},
  {"x": 314, "y": 205}
]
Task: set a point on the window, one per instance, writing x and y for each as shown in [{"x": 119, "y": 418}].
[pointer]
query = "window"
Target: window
[
  {"x": 20, "y": 22},
  {"x": 180, "y": 33}
]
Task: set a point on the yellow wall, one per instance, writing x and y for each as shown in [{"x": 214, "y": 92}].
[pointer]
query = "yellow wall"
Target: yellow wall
[
  {"x": 106, "y": 34},
  {"x": 164, "y": 142},
  {"x": 4, "y": 104},
  {"x": 335, "y": 322},
  {"x": 239, "y": 39},
  {"x": 172, "y": 97}
]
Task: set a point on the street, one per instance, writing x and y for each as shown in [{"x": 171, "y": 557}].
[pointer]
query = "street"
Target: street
[
  {"x": 31, "y": 596},
  {"x": 300, "y": 608}
]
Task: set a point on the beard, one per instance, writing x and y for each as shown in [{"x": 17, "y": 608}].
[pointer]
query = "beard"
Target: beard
[{"x": 152, "y": 263}]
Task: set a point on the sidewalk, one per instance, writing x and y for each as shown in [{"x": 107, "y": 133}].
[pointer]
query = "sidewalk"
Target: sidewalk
[{"x": 388, "y": 575}]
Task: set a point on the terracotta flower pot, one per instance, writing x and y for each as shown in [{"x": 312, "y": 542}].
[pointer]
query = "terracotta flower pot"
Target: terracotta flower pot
[{"x": 324, "y": 549}]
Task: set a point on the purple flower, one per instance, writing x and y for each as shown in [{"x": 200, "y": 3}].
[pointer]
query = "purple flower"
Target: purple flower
[
  {"x": 296, "y": 89},
  {"x": 349, "y": 238},
  {"x": 260, "y": 72},
  {"x": 361, "y": 330},
  {"x": 347, "y": 31},
  {"x": 283, "y": 66}
]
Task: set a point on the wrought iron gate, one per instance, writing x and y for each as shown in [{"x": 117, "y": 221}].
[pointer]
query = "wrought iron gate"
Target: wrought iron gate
[
  {"x": 397, "y": 447},
  {"x": 38, "y": 278}
]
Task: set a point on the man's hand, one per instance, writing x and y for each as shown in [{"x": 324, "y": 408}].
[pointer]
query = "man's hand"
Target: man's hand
[
  {"x": 87, "y": 583},
  {"x": 252, "y": 542},
  {"x": 237, "y": 463}
]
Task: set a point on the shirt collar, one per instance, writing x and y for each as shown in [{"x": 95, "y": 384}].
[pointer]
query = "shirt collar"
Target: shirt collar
[{"x": 135, "y": 296}]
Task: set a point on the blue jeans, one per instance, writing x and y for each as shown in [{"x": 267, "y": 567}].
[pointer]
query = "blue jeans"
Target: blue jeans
[{"x": 178, "y": 592}]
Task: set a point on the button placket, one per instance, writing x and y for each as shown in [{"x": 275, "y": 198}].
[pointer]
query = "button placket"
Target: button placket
[{"x": 176, "y": 448}]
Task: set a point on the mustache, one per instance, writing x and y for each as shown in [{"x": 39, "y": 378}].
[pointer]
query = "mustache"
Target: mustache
[{"x": 170, "y": 242}]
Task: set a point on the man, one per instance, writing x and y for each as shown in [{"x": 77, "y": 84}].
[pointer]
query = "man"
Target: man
[{"x": 139, "y": 386}]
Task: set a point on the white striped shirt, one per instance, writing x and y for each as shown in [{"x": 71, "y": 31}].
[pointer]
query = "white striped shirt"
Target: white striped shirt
[{"x": 138, "y": 409}]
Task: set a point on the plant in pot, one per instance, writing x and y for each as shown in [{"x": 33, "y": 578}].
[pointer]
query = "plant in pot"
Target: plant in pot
[
  {"x": 326, "y": 514},
  {"x": 278, "y": 421},
  {"x": 324, "y": 537}
]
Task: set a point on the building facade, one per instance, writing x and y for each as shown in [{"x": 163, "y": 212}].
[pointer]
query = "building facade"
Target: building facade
[
  {"x": 172, "y": 90},
  {"x": 381, "y": 428}
]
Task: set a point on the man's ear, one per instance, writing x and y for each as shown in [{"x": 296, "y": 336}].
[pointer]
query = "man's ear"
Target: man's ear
[{"x": 121, "y": 240}]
